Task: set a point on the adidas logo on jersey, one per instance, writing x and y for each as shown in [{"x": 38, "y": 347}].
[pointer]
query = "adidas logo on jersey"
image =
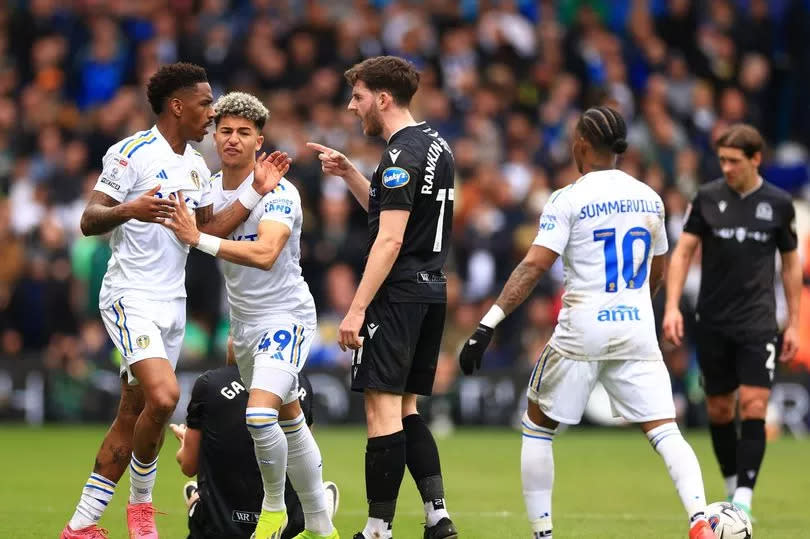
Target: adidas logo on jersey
[{"x": 162, "y": 175}]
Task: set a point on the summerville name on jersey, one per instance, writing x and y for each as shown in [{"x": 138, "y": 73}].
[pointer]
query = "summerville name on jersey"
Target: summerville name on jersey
[
  {"x": 416, "y": 174},
  {"x": 740, "y": 236}
]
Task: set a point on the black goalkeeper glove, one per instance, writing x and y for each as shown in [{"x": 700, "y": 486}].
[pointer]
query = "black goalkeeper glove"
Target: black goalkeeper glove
[{"x": 473, "y": 351}]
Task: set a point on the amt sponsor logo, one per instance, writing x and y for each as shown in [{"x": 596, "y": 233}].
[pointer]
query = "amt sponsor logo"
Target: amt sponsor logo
[{"x": 619, "y": 313}]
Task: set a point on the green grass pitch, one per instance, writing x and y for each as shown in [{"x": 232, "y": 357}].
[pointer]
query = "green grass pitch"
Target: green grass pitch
[{"x": 609, "y": 483}]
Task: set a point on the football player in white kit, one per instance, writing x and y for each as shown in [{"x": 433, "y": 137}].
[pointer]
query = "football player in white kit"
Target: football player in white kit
[
  {"x": 142, "y": 298},
  {"x": 609, "y": 229},
  {"x": 273, "y": 318}
]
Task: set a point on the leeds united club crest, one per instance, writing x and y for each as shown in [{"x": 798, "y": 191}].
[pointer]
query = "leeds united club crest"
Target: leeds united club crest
[{"x": 195, "y": 178}]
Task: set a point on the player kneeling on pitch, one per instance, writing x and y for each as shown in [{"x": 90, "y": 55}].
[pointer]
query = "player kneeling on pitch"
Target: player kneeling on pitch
[
  {"x": 225, "y": 500},
  {"x": 609, "y": 229}
]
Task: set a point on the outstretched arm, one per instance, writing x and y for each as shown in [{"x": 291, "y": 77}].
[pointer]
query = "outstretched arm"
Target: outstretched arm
[
  {"x": 103, "y": 212},
  {"x": 336, "y": 164},
  {"x": 261, "y": 253},
  {"x": 267, "y": 173}
]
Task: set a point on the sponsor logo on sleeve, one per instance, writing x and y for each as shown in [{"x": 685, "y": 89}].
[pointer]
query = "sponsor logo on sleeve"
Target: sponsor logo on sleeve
[{"x": 394, "y": 177}]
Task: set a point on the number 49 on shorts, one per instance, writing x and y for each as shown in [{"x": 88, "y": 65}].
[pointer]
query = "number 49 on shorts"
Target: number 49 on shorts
[{"x": 284, "y": 345}]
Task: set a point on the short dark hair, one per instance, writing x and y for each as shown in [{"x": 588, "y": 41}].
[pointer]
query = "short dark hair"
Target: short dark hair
[
  {"x": 169, "y": 79},
  {"x": 743, "y": 137},
  {"x": 604, "y": 128},
  {"x": 389, "y": 73}
]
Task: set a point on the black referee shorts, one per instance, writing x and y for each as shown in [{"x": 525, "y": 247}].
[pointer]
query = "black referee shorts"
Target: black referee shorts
[
  {"x": 728, "y": 362},
  {"x": 401, "y": 343}
]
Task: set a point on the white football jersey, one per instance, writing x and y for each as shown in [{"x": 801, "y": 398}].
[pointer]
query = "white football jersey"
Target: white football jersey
[
  {"x": 255, "y": 294},
  {"x": 607, "y": 227},
  {"x": 147, "y": 259}
]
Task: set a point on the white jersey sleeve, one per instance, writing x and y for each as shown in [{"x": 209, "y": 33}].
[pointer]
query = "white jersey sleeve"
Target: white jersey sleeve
[
  {"x": 281, "y": 205},
  {"x": 205, "y": 185},
  {"x": 661, "y": 245},
  {"x": 118, "y": 176},
  {"x": 555, "y": 223}
]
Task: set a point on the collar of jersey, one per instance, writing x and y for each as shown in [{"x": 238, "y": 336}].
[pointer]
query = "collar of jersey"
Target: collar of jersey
[
  {"x": 404, "y": 127},
  {"x": 161, "y": 140}
]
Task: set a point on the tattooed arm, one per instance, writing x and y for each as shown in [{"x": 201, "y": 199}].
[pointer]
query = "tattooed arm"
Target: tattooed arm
[
  {"x": 524, "y": 277},
  {"x": 103, "y": 212},
  {"x": 520, "y": 284}
]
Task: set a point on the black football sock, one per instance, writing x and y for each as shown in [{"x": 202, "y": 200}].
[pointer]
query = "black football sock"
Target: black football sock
[
  {"x": 425, "y": 468},
  {"x": 385, "y": 467},
  {"x": 750, "y": 451},
  {"x": 724, "y": 441}
]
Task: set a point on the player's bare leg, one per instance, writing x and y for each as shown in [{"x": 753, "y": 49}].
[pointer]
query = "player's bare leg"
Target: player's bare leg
[
  {"x": 305, "y": 470},
  {"x": 161, "y": 392},
  {"x": 385, "y": 461},
  {"x": 111, "y": 460},
  {"x": 537, "y": 468},
  {"x": 270, "y": 445},
  {"x": 666, "y": 438},
  {"x": 422, "y": 459}
]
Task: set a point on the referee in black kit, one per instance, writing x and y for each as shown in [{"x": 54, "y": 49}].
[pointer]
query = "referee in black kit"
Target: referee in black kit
[
  {"x": 741, "y": 221},
  {"x": 396, "y": 320}
]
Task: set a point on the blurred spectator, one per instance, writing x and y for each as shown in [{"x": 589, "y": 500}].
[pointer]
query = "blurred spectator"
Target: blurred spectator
[{"x": 503, "y": 81}]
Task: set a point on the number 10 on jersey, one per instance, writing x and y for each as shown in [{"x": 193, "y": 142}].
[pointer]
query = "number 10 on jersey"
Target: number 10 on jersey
[{"x": 633, "y": 277}]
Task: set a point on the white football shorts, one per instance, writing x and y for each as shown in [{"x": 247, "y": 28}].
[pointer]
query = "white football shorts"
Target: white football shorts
[
  {"x": 639, "y": 390},
  {"x": 271, "y": 353},
  {"x": 143, "y": 329}
]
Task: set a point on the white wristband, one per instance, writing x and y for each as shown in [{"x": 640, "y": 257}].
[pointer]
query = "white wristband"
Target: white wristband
[
  {"x": 493, "y": 317},
  {"x": 249, "y": 198},
  {"x": 209, "y": 244}
]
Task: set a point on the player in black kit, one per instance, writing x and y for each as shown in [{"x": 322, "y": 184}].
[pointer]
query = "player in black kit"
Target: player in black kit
[
  {"x": 740, "y": 221},
  {"x": 396, "y": 320},
  {"x": 226, "y": 499}
]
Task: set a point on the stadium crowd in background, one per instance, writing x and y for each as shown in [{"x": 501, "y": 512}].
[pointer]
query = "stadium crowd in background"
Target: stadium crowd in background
[{"x": 503, "y": 81}]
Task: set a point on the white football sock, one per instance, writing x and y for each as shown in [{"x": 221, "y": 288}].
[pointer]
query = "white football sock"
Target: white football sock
[
  {"x": 537, "y": 473},
  {"x": 270, "y": 446},
  {"x": 731, "y": 485},
  {"x": 743, "y": 495},
  {"x": 141, "y": 480},
  {"x": 96, "y": 494},
  {"x": 377, "y": 528},
  {"x": 305, "y": 470},
  {"x": 682, "y": 465}
]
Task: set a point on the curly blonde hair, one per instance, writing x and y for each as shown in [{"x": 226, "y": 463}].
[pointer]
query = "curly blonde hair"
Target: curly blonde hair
[{"x": 242, "y": 105}]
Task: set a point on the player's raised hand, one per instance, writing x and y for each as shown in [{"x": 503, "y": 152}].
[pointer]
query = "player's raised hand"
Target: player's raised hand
[
  {"x": 150, "y": 208},
  {"x": 268, "y": 171},
  {"x": 333, "y": 162},
  {"x": 790, "y": 345},
  {"x": 673, "y": 326},
  {"x": 473, "y": 351},
  {"x": 183, "y": 224}
]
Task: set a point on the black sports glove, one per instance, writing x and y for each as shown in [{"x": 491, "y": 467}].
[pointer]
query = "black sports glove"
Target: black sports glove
[{"x": 473, "y": 351}]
